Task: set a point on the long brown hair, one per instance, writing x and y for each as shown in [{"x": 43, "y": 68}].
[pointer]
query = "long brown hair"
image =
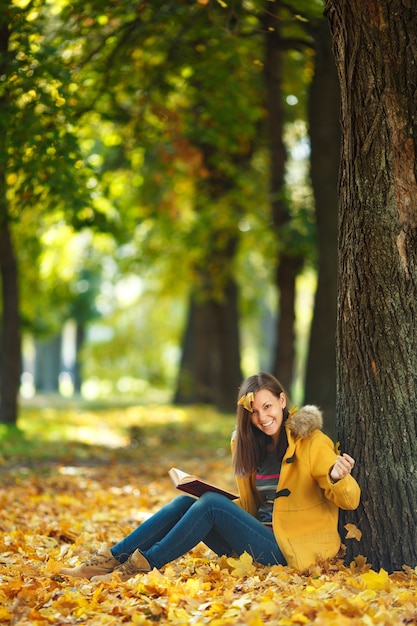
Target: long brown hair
[{"x": 251, "y": 443}]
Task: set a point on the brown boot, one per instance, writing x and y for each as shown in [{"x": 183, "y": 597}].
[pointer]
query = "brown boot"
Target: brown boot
[
  {"x": 135, "y": 564},
  {"x": 101, "y": 562}
]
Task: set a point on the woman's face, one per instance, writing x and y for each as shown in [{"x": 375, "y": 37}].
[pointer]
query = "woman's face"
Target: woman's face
[{"x": 267, "y": 412}]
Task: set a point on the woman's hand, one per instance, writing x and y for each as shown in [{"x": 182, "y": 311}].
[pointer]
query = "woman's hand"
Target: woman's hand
[{"x": 342, "y": 467}]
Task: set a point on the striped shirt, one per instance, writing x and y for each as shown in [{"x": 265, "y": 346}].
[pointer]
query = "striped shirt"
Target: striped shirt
[{"x": 267, "y": 477}]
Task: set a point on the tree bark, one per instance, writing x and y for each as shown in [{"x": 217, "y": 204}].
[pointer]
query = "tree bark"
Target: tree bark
[
  {"x": 375, "y": 45},
  {"x": 324, "y": 129}
]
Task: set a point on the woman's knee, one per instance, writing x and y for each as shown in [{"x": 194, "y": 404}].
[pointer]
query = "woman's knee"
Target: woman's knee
[
  {"x": 184, "y": 501},
  {"x": 180, "y": 504},
  {"x": 210, "y": 498}
]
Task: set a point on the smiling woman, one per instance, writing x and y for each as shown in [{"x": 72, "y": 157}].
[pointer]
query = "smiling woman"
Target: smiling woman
[
  {"x": 283, "y": 465},
  {"x": 267, "y": 413}
]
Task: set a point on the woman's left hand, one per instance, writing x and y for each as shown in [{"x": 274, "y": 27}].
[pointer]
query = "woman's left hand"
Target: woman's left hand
[{"x": 343, "y": 466}]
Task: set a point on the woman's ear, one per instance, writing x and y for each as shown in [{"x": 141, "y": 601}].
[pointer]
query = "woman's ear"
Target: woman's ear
[{"x": 283, "y": 399}]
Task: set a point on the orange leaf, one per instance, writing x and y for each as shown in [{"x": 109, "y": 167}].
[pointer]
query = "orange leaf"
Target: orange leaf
[{"x": 353, "y": 532}]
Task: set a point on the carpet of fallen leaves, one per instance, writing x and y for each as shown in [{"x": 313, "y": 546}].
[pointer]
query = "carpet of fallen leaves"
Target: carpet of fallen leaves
[{"x": 55, "y": 513}]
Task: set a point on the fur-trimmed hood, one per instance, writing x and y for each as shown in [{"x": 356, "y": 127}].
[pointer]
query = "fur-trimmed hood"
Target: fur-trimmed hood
[{"x": 303, "y": 422}]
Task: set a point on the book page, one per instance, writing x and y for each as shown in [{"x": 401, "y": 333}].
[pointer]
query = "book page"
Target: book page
[
  {"x": 178, "y": 476},
  {"x": 194, "y": 485}
]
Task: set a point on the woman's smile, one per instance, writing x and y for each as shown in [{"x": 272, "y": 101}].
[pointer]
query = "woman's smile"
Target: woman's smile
[{"x": 267, "y": 412}]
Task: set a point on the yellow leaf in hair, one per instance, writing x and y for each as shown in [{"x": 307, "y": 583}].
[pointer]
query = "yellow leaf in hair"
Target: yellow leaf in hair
[
  {"x": 246, "y": 401},
  {"x": 353, "y": 532},
  {"x": 293, "y": 410}
]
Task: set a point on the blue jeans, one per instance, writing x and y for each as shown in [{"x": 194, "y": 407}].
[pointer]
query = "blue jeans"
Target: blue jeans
[{"x": 214, "y": 519}]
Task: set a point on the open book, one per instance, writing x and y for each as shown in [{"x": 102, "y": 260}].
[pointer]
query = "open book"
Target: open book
[{"x": 194, "y": 485}]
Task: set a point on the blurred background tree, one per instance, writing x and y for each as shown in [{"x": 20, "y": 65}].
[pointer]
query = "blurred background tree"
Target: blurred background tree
[
  {"x": 43, "y": 178},
  {"x": 180, "y": 231}
]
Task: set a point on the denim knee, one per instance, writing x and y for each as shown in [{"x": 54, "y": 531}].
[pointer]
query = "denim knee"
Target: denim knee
[{"x": 211, "y": 498}]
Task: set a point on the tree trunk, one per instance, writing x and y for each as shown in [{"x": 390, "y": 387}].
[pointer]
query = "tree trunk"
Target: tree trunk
[
  {"x": 210, "y": 365},
  {"x": 288, "y": 264},
  {"x": 48, "y": 364},
  {"x": 10, "y": 344},
  {"x": 375, "y": 44},
  {"x": 10, "y": 349},
  {"x": 80, "y": 333},
  {"x": 283, "y": 365},
  {"x": 324, "y": 123}
]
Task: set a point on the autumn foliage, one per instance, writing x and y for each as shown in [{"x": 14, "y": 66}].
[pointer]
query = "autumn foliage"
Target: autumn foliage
[{"x": 58, "y": 510}]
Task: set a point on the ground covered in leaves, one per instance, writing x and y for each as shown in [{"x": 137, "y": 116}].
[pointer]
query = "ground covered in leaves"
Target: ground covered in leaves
[{"x": 60, "y": 499}]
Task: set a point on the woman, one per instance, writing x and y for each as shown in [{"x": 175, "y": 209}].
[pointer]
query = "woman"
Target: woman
[{"x": 291, "y": 485}]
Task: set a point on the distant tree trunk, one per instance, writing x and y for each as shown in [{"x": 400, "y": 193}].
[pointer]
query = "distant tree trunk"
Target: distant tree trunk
[
  {"x": 48, "y": 364},
  {"x": 210, "y": 365},
  {"x": 77, "y": 368},
  {"x": 288, "y": 264},
  {"x": 284, "y": 361},
  {"x": 324, "y": 123},
  {"x": 375, "y": 44},
  {"x": 10, "y": 341}
]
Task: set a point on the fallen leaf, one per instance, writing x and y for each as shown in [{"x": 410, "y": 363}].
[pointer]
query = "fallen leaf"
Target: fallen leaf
[
  {"x": 243, "y": 566},
  {"x": 353, "y": 532}
]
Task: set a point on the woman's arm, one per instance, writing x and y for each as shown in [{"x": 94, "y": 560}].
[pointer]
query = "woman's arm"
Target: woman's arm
[{"x": 332, "y": 473}]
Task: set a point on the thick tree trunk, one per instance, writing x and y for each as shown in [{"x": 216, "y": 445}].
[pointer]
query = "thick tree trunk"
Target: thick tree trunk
[
  {"x": 324, "y": 123},
  {"x": 375, "y": 44}
]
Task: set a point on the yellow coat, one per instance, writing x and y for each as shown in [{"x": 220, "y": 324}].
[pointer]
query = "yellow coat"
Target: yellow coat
[{"x": 306, "y": 508}]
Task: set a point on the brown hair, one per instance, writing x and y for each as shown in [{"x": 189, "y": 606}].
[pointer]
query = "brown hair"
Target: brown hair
[{"x": 251, "y": 443}]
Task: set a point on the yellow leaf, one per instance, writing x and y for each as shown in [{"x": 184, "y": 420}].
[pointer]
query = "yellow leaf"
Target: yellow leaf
[
  {"x": 243, "y": 566},
  {"x": 242, "y": 601},
  {"x": 299, "y": 618},
  {"x": 193, "y": 586},
  {"x": 376, "y": 580},
  {"x": 353, "y": 532},
  {"x": 52, "y": 567},
  {"x": 5, "y": 614},
  {"x": 255, "y": 620}
]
